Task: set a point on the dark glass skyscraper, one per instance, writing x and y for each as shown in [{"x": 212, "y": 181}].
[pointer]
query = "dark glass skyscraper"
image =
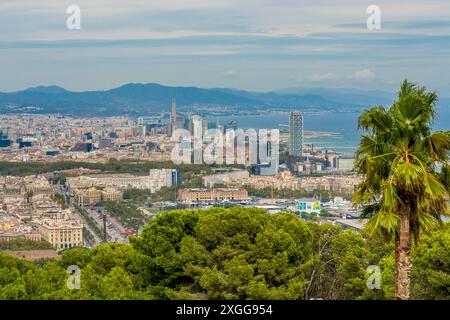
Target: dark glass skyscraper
[{"x": 295, "y": 134}]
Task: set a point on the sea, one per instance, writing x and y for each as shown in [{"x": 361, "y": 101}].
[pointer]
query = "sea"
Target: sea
[{"x": 343, "y": 125}]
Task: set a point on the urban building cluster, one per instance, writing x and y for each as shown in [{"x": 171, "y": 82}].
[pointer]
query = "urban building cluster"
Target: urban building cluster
[
  {"x": 91, "y": 196},
  {"x": 51, "y": 138},
  {"x": 29, "y": 207},
  {"x": 29, "y": 210},
  {"x": 89, "y": 189},
  {"x": 285, "y": 180},
  {"x": 44, "y": 138}
]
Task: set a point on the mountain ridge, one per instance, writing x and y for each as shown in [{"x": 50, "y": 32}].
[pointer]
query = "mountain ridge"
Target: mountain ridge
[{"x": 145, "y": 98}]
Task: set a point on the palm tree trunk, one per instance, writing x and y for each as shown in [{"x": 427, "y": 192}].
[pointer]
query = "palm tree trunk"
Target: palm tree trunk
[{"x": 402, "y": 258}]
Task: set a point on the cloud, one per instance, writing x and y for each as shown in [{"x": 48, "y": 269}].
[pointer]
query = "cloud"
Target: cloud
[
  {"x": 209, "y": 53},
  {"x": 363, "y": 75},
  {"x": 204, "y": 42},
  {"x": 359, "y": 75},
  {"x": 229, "y": 74},
  {"x": 110, "y": 19},
  {"x": 324, "y": 76}
]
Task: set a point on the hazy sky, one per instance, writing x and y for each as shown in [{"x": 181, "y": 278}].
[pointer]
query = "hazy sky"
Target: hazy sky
[{"x": 246, "y": 44}]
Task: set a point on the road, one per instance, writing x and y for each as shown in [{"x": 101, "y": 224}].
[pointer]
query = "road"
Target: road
[
  {"x": 97, "y": 239},
  {"x": 114, "y": 230}
]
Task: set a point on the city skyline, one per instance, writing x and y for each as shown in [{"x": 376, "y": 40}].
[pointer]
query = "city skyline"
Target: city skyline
[{"x": 224, "y": 150}]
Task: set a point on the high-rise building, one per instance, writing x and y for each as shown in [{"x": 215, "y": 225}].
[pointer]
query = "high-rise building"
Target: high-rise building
[
  {"x": 176, "y": 177},
  {"x": 190, "y": 124},
  {"x": 344, "y": 163},
  {"x": 165, "y": 177},
  {"x": 197, "y": 126},
  {"x": 174, "y": 109},
  {"x": 218, "y": 125},
  {"x": 205, "y": 125},
  {"x": 295, "y": 134},
  {"x": 197, "y": 132},
  {"x": 173, "y": 118}
]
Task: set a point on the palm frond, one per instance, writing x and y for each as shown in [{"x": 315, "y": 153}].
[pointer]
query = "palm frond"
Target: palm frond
[
  {"x": 399, "y": 157},
  {"x": 436, "y": 145},
  {"x": 376, "y": 120},
  {"x": 368, "y": 211},
  {"x": 390, "y": 200},
  {"x": 383, "y": 223},
  {"x": 408, "y": 174}
]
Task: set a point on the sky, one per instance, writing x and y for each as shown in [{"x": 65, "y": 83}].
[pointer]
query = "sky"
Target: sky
[{"x": 258, "y": 45}]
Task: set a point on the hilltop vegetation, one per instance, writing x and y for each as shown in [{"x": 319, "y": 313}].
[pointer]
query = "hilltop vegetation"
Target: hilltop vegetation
[
  {"x": 236, "y": 253},
  {"x": 25, "y": 244},
  {"x": 113, "y": 166}
]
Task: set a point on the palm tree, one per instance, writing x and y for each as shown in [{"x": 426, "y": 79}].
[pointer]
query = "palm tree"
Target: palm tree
[{"x": 403, "y": 193}]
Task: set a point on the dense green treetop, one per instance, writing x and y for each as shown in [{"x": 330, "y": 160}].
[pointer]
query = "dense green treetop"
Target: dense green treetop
[{"x": 237, "y": 253}]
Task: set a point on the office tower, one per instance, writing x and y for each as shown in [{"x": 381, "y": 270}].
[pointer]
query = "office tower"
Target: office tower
[
  {"x": 344, "y": 164},
  {"x": 205, "y": 125},
  {"x": 218, "y": 125},
  {"x": 87, "y": 136},
  {"x": 197, "y": 126},
  {"x": 190, "y": 123},
  {"x": 181, "y": 122},
  {"x": 197, "y": 134},
  {"x": 174, "y": 109},
  {"x": 69, "y": 134},
  {"x": 173, "y": 118},
  {"x": 176, "y": 177},
  {"x": 295, "y": 134}
]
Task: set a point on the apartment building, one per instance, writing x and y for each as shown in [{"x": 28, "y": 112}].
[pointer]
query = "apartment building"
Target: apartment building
[
  {"x": 62, "y": 234},
  {"x": 212, "y": 195},
  {"x": 156, "y": 179},
  {"x": 87, "y": 196},
  {"x": 112, "y": 194}
]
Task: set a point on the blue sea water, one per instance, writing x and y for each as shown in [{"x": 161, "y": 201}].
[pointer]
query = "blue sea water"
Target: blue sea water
[{"x": 343, "y": 123}]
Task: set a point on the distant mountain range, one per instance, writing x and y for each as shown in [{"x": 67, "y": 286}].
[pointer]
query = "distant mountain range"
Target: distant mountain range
[{"x": 147, "y": 98}]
